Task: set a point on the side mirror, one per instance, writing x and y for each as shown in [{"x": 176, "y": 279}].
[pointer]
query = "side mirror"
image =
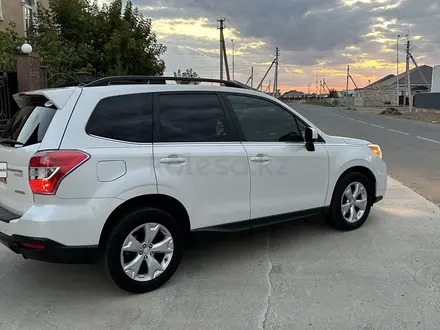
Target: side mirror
[{"x": 311, "y": 136}]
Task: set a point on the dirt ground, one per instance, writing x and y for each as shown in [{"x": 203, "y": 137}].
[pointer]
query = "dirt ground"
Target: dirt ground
[{"x": 432, "y": 117}]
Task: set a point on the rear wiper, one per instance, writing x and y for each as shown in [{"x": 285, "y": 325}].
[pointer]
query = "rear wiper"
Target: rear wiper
[{"x": 11, "y": 142}]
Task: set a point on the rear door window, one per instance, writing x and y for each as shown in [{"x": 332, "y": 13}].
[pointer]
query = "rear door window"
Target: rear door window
[
  {"x": 192, "y": 117},
  {"x": 30, "y": 123}
]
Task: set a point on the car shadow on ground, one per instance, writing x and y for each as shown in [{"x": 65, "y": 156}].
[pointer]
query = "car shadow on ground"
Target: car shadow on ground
[{"x": 209, "y": 253}]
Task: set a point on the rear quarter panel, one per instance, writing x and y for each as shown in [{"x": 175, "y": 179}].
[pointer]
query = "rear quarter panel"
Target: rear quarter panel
[{"x": 116, "y": 169}]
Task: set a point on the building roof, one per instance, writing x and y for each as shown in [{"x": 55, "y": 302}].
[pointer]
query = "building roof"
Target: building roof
[
  {"x": 293, "y": 93},
  {"x": 382, "y": 81},
  {"x": 415, "y": 76}
]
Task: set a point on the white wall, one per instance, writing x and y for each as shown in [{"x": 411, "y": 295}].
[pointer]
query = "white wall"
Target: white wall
[{"x": 436, "y": 79}]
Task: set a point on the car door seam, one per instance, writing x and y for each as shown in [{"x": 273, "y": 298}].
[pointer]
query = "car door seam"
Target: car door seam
[{"x": 250, "y": 182}]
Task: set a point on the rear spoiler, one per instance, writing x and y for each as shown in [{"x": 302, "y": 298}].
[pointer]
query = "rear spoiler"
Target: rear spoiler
[{"x": 57, "y": 96}]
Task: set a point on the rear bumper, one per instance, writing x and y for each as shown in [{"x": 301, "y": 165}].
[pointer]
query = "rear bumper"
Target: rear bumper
[
  {"x": 42, "y": 249},
  {"x": 70, "y": 222}
]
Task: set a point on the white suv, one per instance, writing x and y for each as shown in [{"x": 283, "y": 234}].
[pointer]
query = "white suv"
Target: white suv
[{"x": 127, "y": 169}]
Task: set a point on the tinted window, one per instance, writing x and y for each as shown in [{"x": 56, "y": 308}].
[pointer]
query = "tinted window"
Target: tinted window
[
  {"x": 30, "y": 123},
  {"x": 262, "y": 120},
  {"x": 124, "y": 118},
  {"x": 192, "y": 118},
  {"x": 302, "y": 128}
]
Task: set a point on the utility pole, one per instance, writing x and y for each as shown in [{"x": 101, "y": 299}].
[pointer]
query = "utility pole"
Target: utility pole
[
  {"x": 264, "y": 77},
  {"x": 221, "y": 27},
  {"x": 317, "y": 74},
  {"x": 252, "y": 77},
  {"x": 420, "y": 71},
  {"x": 223, "y": 55},
  {"x": 268, "y": 87},
  {"x": 320, "y": 89},
  {"x": 346, "y": 90},
  {"x": 408, "y": 76},
  {"x": 397, "y": 72},
  {"x": 233, "y": 60},
  {"x": 308, "y": 92},
  {"x": 275, "y": 83},
  {"x": 324, "y": 86}
]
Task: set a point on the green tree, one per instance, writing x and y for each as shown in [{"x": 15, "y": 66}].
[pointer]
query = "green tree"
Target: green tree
[
  {"x": 77, "y": 35},
  {"x": 189, "y": 73},
  {"x": 9, "y": 47},
  {"x": 333, "y": 94}
]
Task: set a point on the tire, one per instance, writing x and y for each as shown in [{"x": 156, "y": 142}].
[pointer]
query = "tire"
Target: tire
[
  {"x": 160, "y": 226},
  {"x": 335, "y": 216}
]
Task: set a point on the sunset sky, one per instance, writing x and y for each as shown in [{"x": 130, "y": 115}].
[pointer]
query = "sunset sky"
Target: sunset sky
[{"x": 313, "y": 35}]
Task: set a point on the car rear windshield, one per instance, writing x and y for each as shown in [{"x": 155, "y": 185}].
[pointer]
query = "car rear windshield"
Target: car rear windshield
[{"x": 30, "y": 123}]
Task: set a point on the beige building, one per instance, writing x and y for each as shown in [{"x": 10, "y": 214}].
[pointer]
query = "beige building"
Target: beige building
[
  {"x": 21, "y": 12},
  {"x": 384, "y": 91}
]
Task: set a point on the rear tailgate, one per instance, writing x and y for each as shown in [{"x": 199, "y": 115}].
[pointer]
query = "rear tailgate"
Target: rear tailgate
[
  {"x": 15, "y": 194},
  {"x": 28, "y": 127}
]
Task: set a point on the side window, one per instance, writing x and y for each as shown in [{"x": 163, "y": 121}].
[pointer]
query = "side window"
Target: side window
[
  {"x": 124, "y": 118},
  {"x": 264, "y": 121},
  {"x": 192, "y": 118}
]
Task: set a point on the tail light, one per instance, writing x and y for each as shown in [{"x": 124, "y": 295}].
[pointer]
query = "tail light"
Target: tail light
[{"x": 48, "y": 168}]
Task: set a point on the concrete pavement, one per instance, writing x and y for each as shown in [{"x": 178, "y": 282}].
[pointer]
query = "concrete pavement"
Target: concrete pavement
[
  {"x": 299, "y": 275},
  {"x": 411, "y": 149}
]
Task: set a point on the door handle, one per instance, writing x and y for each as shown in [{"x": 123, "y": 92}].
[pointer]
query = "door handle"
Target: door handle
[
  {"x": 173, "y": 160},
  {"x": 260, "y": 159}
]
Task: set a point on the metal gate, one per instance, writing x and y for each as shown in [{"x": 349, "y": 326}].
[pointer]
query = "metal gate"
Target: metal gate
[
  {"x": 8, "y": 87},
  {"x": 5, "y": 101}
]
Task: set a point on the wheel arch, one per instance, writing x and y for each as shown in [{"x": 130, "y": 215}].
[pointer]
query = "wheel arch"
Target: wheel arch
[
  {"x": 364, "y": 171},
  {"x": 162, "y": 202}
]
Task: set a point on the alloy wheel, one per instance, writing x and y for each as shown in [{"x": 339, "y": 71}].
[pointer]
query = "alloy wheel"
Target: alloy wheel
[
  {"x": 147, "y": 252},
  {"x": 354, "y": 202}
]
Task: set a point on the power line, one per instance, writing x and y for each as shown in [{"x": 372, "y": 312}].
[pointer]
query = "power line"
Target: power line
[
  {"x": 418, "y": 69},
  {"x": 206, "y": 67},
  {"x": 431, "y": 34},
  {"x": 241, "y": 67},
  {"x": 246, "y": 37},
  {"x": 427, "y": 40},
  {"x": 429, "y": 43},
  {"x": 192, "y": 52},
  {"x": 264, "y": 77},
  {"x": 196, "y": 54}
]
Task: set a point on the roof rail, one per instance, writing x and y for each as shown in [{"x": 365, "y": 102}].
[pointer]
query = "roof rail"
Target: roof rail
[{"x": 150, "y": 80}]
